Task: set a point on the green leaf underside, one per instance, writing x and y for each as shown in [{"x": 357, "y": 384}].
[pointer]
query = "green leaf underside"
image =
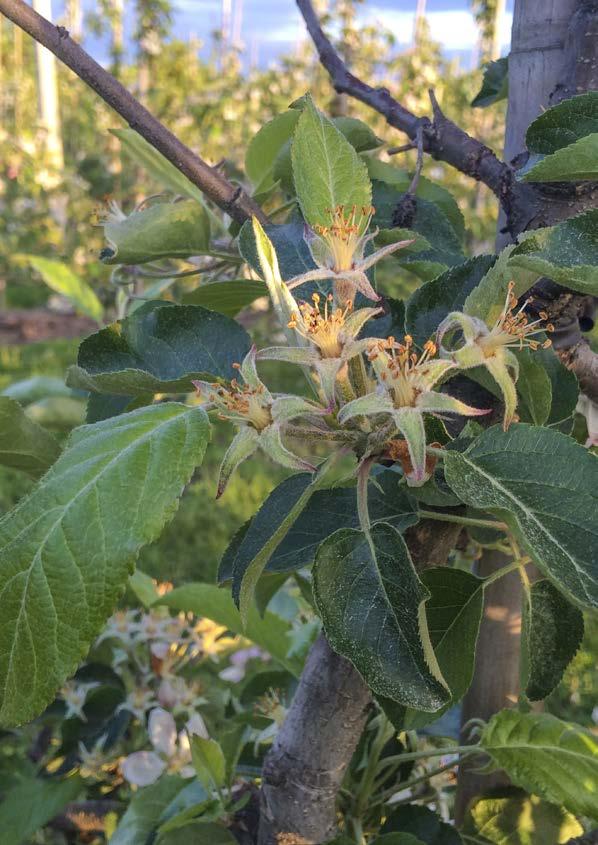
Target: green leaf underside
[
  {"x": 145, "y": 810},
  {"x": 60, "y": 278},
  {"x": 292, "y": 252},
  {"x": 62, "y": 571},
  {"x": 326, "y": 169},
  {"x": 495, "y": 84},
  {"x": 548, "y": 757},
  {"x": 422, "y": 823},
  {"x": 23, "y": 444},
  {"x": 227, "y": 297},
  {"x": 521, "y": 819},
  {"x": 269, "y": 631},
  {"x": 554, "y": 631},
  {"x": 563, "y": 124},
  {"x": 576, "y": 163},
  {"x": 454, "y": 612},
  {"x": 372, "y": 606},
  {"x": 430, "y": 304},
  {"x": 163, "y": 230},
  {"x": 566, "y": 253},
  {"x": 160, "y": 348},
  {"x": 546, "y": 487},
  {"x": 31, "y": 804},
  {"x": 327, "y": 511}
]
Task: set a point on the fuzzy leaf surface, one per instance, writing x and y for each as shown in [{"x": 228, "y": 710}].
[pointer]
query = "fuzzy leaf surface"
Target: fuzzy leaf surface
[
  {"x": 372, "y": 606},
  {"x": 160, "y": 348},
  {"x": 67, "y": 548},
  {"x": 546, "y": 487}
]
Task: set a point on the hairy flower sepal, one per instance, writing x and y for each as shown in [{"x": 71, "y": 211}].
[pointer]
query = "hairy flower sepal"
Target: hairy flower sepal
[
  {"x": 331, "y": 335},
  {"x": 405, "y": 393},
  {"x": 261, "y": 417},
  {"x": 338, "y": 251}
]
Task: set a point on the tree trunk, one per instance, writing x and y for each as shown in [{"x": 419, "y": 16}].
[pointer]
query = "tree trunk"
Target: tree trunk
[{"x": 553, "y": 56}]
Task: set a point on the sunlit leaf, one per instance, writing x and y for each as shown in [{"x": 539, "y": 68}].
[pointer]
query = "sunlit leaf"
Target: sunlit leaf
[{"x": 60, "y": 278}]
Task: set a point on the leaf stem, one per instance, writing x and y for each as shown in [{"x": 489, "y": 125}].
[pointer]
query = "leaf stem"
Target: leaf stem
[
  {"x": 464, "y": 520},
  {"x": 421, "y": 778},
  {"x": 505, "y": 570},
  {"x": 432, "y": 752}
]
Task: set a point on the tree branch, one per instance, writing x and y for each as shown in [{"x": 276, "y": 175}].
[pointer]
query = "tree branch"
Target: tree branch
[
  {"x": 442, "y": 138},
  {"x": 208, "y": 179}
]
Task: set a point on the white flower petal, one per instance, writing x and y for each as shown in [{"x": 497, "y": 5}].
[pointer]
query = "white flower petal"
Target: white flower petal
[
  {"x": 142, "y": 768},
  {"x": 197, "y": 727},
  {"x": 161, "y": 728}
]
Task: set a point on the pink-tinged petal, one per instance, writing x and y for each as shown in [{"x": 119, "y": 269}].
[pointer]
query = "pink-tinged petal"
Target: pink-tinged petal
[
  {"x": 310, "y": 276},
  {"x": 233, "y": 674},
  {"x": 142, "y": 768},
  {"x": 365, "y": 406},
  {"x": 286, "y": 408},
  {"x": 441, "y": 403},
  {"x": 410, "y": 423},
  {"x": 271, "y": 444},
  {"x": 161, "y": 729},
  {"x": 242, "y": 447},
  {"x": 500, "y": 373},
  {"x": 383, "y": 253},
  {"x": 357, "y": 320},
  {"x": 361, "y": 282},
  {"x": 289, "y": 354}
]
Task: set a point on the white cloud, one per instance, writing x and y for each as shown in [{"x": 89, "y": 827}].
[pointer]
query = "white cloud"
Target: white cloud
[{"x": 454, "y": 29}]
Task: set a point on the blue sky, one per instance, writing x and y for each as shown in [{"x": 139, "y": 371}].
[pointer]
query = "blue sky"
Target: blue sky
[{"x": 271, "y": 27}]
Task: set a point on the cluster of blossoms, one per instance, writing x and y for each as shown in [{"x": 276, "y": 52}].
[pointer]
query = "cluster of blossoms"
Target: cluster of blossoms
[
  {"x": 371, "y": 394},
  {"x": 156, "y": 654}
]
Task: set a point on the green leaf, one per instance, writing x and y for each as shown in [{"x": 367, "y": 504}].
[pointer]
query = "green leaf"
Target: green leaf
[
  {"x": 35, "y": 388},
  {"x": 265, "y": 146},
  {"x": 142, "y": 153},
  {"x": 521, "y": 819},
  {"x": 326, "y": 511},
  {"x": 534, "y": 388},
  {"x": 397, "y": 839},
  {"x": 23, "y": 444},
  {"x": 57, "y": 412},
  {"x": 247, "y": 571},
  {"x": 227, "y": 297},
  {"x": 357, "y": 133},
  {"x": 545, "y": 486},
  {"x": 565, "y": 387},
  {"x": 495, "y": 84},
  {"x": 383, "y": 171},
  {"x": 553, "y": 633},
  {"x": 145, "y": 810},
  {"x": 163, "y": 230},
  {"x": 199, "y": 833},
  {"x": 548, "y": 757},
  {"x": 270, "y": 632},
  {"x": 575, "y": 163},
  {"x": 160, "y": 348},
  {"x": 430, "y": 304},
  {"x": 372, "y": 606},
  {"x": 423, "y": 823},
  {"x": 326, "y": 169},
  {"x": 567, "y": 253},
  {"x": 144, "y": 588},
  {"x": 208, "y": 762},
  {"x": 563, "y": 124},
  {"x": 30, "y": 805},
  {"x": 68, "y": 548},
  {"x": 291, "y": 249},
  {"x": 454, "y": 612},
  {"x": 488, "y": 298},
  {"x": 60, "y": 278}
]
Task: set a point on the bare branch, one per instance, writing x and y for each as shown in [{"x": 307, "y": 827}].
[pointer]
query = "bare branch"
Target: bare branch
[
  {"x": 442, "y": 138},
  {"x": 208, "y": 179}
]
